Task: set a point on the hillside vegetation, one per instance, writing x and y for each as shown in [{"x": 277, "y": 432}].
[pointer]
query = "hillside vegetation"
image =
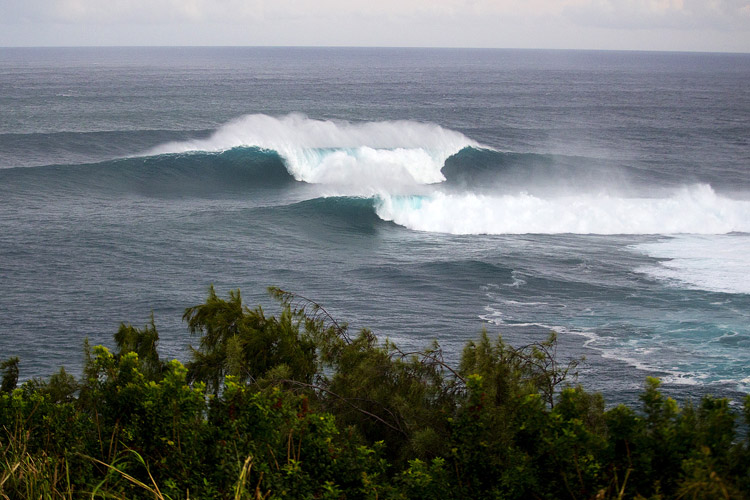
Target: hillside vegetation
[{"x": 296, "y": 406}]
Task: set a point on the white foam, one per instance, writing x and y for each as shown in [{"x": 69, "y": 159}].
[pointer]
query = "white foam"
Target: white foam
[
  {"x": 648, "y": 358},
  {"x": 695, "y": 209},
  {"x": 368, "y": 157},
  {"x": 719, "y": 263}
]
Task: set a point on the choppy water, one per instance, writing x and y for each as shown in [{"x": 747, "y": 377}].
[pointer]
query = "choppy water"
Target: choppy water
[{"x": 426, "y": 194}]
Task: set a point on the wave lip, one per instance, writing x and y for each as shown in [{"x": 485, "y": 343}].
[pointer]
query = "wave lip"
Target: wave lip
[
  {"x": 691, "y": 210},
  {"x": 369, "y": 156}
]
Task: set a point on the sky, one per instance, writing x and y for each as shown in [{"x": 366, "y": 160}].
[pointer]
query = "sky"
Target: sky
[{"x": 681, "y": 25}]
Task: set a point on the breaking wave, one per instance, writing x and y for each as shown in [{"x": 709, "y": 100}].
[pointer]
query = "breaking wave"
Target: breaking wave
[
  {"x": 367, "y": 157},
  {"x": 418, "y": 175},
  {"x": 696, "y": 209}
]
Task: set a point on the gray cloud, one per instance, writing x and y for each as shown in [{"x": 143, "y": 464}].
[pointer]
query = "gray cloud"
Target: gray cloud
[
  {"x": 656, "y": 14},
  {"x": 610, "y": 24}
]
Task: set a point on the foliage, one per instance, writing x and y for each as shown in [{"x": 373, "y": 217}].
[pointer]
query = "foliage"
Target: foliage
[
  {"x": 9, "y": 368},
  {"x": 241, "y": 342},
  {"x": 293, "y": 406},
  {"x": 144, "y": 343}
]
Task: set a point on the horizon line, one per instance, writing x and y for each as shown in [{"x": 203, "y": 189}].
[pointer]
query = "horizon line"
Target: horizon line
[{"x": 394, "y": 47}]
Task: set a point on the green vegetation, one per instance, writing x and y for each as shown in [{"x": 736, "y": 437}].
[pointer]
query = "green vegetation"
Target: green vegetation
[{"x": 293, "y": 406}]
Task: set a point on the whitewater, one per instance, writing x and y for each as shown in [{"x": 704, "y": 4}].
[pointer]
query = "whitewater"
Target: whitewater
[
  {"x": 425, "y": 194},
  {"x": 394, "y": 160}
]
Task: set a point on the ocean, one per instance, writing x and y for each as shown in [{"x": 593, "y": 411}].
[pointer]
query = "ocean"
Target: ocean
[{"x": 426, "y": 194}]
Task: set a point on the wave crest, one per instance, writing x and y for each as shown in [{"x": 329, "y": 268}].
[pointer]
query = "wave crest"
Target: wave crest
[{"x": 370, "y": 156}]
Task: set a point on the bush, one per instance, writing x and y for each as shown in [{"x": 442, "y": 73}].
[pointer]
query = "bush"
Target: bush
[{"x": 292, "y": 406}]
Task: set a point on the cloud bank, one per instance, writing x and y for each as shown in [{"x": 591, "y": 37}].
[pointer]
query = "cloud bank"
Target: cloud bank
[{"x": 608, "y": 24}]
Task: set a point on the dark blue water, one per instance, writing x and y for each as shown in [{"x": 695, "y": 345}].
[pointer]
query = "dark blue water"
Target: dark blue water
[{"x": 426, "y": 194}]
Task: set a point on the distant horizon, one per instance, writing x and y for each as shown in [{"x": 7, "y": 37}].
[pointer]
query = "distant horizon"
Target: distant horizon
[{"x": 395, "y": 47}]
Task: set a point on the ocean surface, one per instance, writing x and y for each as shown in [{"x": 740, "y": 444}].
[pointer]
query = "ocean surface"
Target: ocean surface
[{"x": 423, "y": 193}]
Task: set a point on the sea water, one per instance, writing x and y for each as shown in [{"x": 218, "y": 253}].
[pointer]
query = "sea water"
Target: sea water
[{"x": 423, "y": 193}]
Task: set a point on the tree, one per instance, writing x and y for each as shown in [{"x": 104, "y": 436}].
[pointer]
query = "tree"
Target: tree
[
  {"x": 242, "y": 342},
  {"x": 9, "y": 367},
  {"x": 144, "y": 343}
]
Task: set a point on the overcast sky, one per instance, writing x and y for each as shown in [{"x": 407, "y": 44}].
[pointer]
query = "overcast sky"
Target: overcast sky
[{"x": 690, "y": 25}]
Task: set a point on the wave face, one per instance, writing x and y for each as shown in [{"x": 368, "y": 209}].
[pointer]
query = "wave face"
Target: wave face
[
  {"x": 487, "y": 170},
  {"x": 237, "y": 172},
  {"x": 363, "y": 157},
  {"x": 697, "y": 209}
]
